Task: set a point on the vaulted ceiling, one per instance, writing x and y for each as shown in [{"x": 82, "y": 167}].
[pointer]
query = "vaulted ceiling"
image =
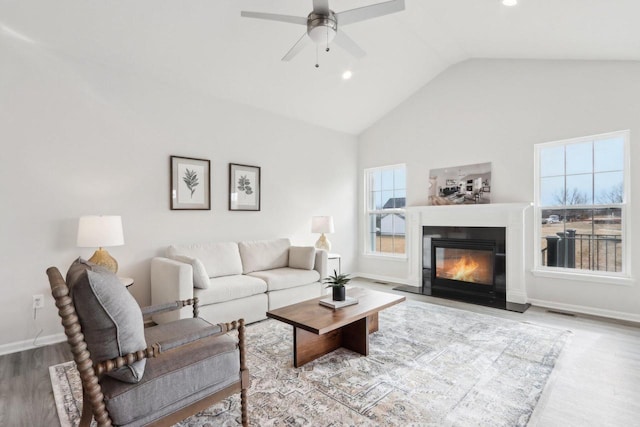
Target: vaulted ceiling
[{"x": 205, "y": 45}]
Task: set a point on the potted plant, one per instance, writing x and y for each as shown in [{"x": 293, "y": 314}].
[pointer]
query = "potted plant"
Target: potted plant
[{"x": 337, "y": 282}]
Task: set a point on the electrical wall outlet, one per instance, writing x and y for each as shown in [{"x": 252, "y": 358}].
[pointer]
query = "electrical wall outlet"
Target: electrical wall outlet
[{"x": 38, "y": 301}]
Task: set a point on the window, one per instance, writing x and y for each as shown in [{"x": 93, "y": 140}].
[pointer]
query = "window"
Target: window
[
  {"x": 385, "y": 194},
  {"x": 581, "y": 202}
]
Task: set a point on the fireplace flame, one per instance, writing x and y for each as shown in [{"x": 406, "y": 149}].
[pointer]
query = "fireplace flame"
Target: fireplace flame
[{"x": 464, "y": 269}]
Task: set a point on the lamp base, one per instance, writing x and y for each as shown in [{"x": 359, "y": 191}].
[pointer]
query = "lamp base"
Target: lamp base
[
  {"x": 102, "y": 258},
  {"x": 323, "y": 243}
]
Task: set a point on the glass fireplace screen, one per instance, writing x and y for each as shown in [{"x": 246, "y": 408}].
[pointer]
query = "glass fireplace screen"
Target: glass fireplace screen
[{"x": 465, "y": 265}]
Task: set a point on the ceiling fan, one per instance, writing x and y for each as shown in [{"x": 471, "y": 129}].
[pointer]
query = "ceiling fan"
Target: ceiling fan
[{"x": 323, "y": 23}]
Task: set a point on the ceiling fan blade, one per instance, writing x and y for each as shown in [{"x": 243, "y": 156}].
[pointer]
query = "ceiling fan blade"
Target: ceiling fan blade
[
  {"x": 321, "y": 7},
  {"x": 300, "y": 44},
  {"x": 368, "y": 12},
  {"x": 274, "y": 17},
  {"x": 347, "y": 43}
]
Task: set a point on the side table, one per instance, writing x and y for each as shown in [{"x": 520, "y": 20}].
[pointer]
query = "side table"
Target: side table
[
  {"x": 126, "y": 281},
  {"x": 339, "y": 258}
]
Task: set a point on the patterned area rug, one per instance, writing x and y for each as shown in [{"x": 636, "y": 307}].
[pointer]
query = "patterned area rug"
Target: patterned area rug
[{"x": 428, "y": 365}]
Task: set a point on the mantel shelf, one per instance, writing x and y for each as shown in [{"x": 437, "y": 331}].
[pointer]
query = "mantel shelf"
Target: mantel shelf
[{"x": 488, "y": 206}]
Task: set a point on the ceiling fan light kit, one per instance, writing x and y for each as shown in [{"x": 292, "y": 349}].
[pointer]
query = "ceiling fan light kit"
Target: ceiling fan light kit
[
  {"x": 322, "y": 25},
  {"x": 322, "y": 28}
]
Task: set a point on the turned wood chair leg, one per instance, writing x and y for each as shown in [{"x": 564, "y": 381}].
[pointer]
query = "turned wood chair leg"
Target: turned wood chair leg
[
  {"x": 244, "y": 373},
  {"x": 243, "y": 407},
  {"x": 87, "y": 413}
]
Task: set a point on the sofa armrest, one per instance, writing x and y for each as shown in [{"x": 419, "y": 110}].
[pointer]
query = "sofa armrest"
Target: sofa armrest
[
  {"x": 321, "y": 263},
  {"x": 171, "y": 281}
]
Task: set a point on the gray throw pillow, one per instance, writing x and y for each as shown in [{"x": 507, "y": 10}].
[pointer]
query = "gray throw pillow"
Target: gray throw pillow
[{"x": 110, "y": 317}]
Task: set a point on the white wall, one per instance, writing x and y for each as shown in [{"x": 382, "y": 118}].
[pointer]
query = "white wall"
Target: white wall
[
  {"x": 495, "y": 111},
  {"x": 78, "y": 138}
]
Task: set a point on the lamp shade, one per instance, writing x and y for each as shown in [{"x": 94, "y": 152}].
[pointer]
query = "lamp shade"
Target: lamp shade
[
  {"x": 100, "y": 231},
  {"x": 322, "y": 224}
]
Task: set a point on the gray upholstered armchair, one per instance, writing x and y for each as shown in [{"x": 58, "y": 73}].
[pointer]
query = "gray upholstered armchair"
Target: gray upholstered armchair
[{"x": 134, "y": 376}]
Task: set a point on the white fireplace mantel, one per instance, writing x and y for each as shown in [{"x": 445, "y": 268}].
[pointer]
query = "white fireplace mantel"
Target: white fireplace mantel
[{"x": 515, "y": 217}]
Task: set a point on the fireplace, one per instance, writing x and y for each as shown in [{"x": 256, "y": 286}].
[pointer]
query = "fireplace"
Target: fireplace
[
  {"x": 465, "y": 263},
  {"x": 512, "y": 223}
]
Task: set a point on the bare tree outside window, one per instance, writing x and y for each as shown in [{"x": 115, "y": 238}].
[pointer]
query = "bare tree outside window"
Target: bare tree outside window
[
  {"x": 614, "y": 195},
  {"x": 574, "y": 197}
]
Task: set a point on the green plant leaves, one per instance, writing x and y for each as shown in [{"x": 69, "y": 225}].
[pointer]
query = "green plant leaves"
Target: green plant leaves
[{"x": 337, "y": 280}]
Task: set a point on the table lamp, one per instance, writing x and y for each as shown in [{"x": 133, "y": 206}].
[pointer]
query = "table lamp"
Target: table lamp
[
  {"x": 101, "y": 231},
  {"x": 322, "y": 224}
]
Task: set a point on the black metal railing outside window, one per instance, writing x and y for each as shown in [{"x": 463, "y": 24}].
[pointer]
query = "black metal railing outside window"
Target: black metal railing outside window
[{"x": 598, "y": 252}]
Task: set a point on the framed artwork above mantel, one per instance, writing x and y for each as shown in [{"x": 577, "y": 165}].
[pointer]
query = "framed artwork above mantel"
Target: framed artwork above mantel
[
  {"x": 467, "y": 184},
  {"x": 244, "y": 187},
  {"x": 190, "y": 187}
]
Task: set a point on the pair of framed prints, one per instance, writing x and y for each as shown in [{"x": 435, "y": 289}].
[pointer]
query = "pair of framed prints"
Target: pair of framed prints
[{"x": 190, "y": 187}]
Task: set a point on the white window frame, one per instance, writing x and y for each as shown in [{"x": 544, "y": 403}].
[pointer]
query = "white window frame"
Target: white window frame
[
  {"x": 367, "y": 212},
  {"x": 620, "y": 278}
]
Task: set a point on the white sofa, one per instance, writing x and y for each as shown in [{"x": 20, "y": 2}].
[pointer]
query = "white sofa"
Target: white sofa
[{"x": 236, "y": 280}]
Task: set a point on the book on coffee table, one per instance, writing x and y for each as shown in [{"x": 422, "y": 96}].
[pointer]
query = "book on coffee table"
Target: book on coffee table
[{"x": 329, "y": 302}]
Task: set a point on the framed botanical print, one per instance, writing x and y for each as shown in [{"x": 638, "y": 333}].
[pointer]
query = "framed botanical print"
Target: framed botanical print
[
  {"x": 190, "y": 184},
  {"x": 244, "y": 187}
]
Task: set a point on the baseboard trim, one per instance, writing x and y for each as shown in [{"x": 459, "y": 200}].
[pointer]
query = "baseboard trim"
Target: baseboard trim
[
  {"x": 17, "y": 346},
  {"x": 517, "y": 297},
  {"x": 600, "y": 312},
  {"x": 382, "y": 278}
]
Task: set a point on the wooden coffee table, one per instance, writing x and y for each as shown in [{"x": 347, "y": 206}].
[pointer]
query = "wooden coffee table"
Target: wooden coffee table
[{"x": 318, "y": 330}]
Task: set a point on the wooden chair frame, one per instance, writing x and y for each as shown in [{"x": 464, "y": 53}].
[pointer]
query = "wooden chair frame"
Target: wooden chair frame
[{"x": 90, "y": 372}]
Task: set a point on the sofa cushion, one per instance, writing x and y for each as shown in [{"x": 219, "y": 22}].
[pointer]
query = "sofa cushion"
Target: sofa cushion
[
  {"x": 264, "y": 254},
  {"x": 174, "y": 379},
  {"x": 218, "y": 259},
  {"x": 285, "y": 278},
  {"x": 228, "y": 288},
  {"x": 200, "y": 275},
  {"x": 302, "y": 257},
  {"x": 110, "y": 317}
]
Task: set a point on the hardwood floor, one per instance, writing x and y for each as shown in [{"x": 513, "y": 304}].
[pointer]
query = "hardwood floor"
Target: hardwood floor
[
  {"x": 596, "y": 381},
  {"x": 26, "y": 397}
]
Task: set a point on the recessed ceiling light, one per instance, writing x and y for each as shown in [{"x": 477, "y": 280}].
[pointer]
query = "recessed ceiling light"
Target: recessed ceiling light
[
  {"x": 347, "y": 75},
  {"x": 509, "y": 2}
]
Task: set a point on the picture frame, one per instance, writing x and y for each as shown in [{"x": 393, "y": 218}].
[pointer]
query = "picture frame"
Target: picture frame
[
  {"x": 190, "y": 183},
  {"x": 244, "y": 187},
  {"x": 460, "y": 185}
]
